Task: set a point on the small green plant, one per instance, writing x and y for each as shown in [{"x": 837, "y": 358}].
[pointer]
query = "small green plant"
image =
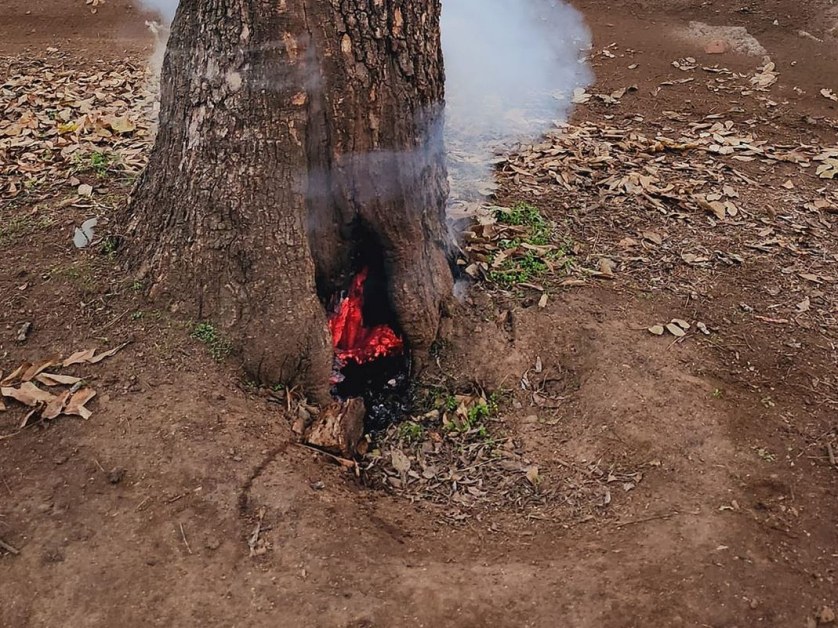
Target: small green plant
[
  {"x": 718, "y": 393},
  {"x": 526, "y": 215},
  {"x": 137, "y": 286},
  {"x": 411, "y": 432},
  {"x": 136, "y": 315},
  {"x": 109, "y": 246},
  {"x": 99, "y": 162},
  {"x": 219, "y": 348},
  {"x": 519, "y": 270},
  {"x": 450, "y": 403}
]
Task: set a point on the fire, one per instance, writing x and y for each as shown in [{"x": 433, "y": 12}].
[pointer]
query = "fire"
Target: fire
[{"x": 352, "y": 339}]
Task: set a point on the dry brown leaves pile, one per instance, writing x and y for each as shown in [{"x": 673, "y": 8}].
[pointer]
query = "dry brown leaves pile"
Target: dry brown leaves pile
[
  {"x": 21, "y": 385},
  {"x": 54, "y": 114},
  {"x": 460, "y": 460},
  {"x": 704, "y": 196}
]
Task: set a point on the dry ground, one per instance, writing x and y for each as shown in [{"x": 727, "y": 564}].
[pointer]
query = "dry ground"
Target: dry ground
[{"x": 680, "y": 483}]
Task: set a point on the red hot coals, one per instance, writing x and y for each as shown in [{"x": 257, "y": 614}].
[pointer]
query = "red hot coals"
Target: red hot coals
[{"x": 353, "y": 341}]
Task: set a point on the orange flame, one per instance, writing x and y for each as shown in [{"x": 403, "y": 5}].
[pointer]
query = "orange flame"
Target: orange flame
[{"x": 354, "y": 341}]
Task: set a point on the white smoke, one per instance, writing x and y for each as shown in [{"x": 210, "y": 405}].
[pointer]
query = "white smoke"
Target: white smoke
[
  {"x": 511, "y": 67},
  {"x": 165, "y": 8},
  {"x": 511, "y": 63}
]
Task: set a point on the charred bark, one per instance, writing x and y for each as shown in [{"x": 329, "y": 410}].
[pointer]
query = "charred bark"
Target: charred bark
[{"x": 286, "y": 126}]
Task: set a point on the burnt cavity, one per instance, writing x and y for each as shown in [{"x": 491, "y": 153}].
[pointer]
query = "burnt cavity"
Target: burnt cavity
[{"x": 382, "y": 382}]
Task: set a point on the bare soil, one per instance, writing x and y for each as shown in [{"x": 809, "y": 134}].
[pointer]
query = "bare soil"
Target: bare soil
[{"x": 143, "y": 514}]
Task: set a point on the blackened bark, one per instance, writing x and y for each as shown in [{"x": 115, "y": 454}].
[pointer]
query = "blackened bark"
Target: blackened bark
[{"x": 284, "y": 126}]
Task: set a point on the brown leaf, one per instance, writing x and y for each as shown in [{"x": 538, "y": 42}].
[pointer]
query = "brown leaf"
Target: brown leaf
[
  {"x": 79, "y": 357},
  {"x": 107, "y": 354},
  {"x": 11, "y": 377},
  {"x": 653, "y": 237},
  {"x": 55, "y": 407},
  {"x": 54, "y": 379},
  {"x": 37, "y": 367},
  {"x": 28, "y": 394},
  {"x": 76, "y": 404}
]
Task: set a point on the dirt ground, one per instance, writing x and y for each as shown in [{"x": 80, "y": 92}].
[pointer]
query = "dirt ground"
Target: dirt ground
[{"x": 689, "y": 480}]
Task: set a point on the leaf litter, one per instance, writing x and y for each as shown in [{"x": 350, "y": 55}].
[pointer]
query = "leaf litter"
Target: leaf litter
[{"x": 20, "y": 386}]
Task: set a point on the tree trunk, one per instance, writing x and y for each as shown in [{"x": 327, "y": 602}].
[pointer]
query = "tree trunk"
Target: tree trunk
[{"x": 287, "y": 129}]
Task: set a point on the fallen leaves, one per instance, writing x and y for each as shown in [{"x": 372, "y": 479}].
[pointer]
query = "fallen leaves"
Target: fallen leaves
[
  {"x": 55, "y": 116},
  {"x": 69, "y": 402}
]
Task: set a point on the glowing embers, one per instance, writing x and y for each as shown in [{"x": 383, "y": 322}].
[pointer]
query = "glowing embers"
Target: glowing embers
[{"x": 353, "y": 341}]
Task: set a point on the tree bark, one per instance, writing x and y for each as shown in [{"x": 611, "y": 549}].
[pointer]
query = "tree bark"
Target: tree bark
[{"x": 287, "y": 127}]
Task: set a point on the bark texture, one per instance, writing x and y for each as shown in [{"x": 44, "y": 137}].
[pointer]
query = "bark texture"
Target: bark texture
[{"x": 287, "y": 127}]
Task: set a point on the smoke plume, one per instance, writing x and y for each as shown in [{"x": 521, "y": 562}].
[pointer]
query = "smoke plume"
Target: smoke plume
[
  {"x": 511, "y": 67},
  {"x": 165, "y": 8}
]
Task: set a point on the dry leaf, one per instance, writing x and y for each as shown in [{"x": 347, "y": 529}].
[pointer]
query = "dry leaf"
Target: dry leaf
[
  {"x": 681, "y": 323},
  {"x": 804, "y": 306},
  {"x": 56, "y": 406},
  {"x": 532, "y": 475},
  {"x": 11, "y": 377},
  {"x": 79, "y": 357},
  {"x": 653, "y": 237},
  {"x": 38, "y": 367},
  {"x": 75, "y": 406},
  {"x": 85, "y": 189},
  {"x": 122, "y": 125},
  {"x": 657, "y": 330},
  {"x": 54, "y": 379},
  {"x": 107, "y": 354},
  {"x": 28, "y": 394},
  {"x": 542, "y": 302}
]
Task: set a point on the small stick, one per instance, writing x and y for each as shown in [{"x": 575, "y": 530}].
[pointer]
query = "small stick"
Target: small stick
[
  {"x": 101, "y": 468},
  {"x": 142, "y": 503},
  {"x": 6, "y": 484},
  {"x": 831, "y": 453},
  {"x": 344, "y": 462},
  {"x": 9, "y": 548},
  {"x": 185, "y": 542}
]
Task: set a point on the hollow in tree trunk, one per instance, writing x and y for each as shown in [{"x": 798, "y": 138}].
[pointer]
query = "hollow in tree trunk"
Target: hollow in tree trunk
[{"x": 292, "y": 133}]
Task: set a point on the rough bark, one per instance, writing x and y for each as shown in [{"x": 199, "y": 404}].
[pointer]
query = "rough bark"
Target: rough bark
[{"x": 286, "y": 125}]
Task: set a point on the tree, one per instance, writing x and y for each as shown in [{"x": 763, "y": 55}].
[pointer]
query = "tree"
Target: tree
[{"x": 295, "y": 135}]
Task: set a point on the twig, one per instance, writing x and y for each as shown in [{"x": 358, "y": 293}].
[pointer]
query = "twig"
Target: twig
[
  {"x": 831, "y": 454},
  {"x": 185, "y": 542},
  {"x": 9, "y": 548},
  {"x": 101, "y": 468},
  {"x": 344, "y": 462},
  {"x": 6, "y": 484},
  {"x": 142, "y": 503}
]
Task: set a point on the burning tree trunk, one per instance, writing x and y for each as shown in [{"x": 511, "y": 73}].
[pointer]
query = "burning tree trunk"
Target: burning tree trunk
[{"x": 296, "y": 137}]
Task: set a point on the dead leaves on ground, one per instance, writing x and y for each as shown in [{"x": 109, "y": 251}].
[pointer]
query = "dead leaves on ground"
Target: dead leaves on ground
[
  {"x": 53, "y": 116},
  {"x": 21, "y": 385}
]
